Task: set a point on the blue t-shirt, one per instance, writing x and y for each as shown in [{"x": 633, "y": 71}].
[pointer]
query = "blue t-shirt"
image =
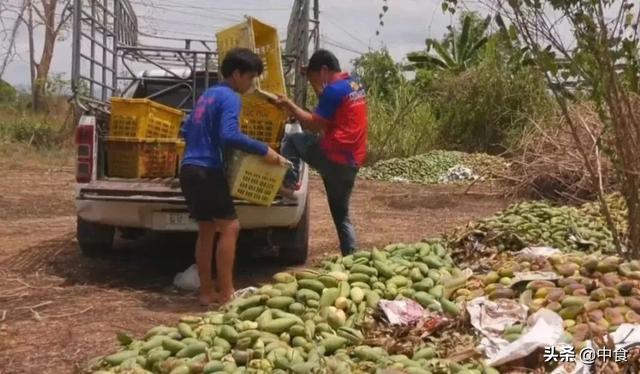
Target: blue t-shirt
[{"x": 214, "y": 125}]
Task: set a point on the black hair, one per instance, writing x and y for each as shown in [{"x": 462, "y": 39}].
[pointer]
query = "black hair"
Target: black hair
[
  {"x": 243, "y": 60},
  {"x": 321, "y": 58}
]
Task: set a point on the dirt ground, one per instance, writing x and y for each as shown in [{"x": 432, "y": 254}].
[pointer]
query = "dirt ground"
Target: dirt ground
[{"x": 59, "y": 309}]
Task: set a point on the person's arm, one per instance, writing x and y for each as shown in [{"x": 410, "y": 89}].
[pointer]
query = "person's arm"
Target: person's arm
[
  {"x": 231, "y": 135},
  {"x": 322, "y": 118},
  {"x": 308, "y": 120},
  {"x": 230, "y": 129}
]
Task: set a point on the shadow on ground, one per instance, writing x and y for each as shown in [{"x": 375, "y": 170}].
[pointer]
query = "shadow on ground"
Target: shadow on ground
[{"x": 146, "y": 264}]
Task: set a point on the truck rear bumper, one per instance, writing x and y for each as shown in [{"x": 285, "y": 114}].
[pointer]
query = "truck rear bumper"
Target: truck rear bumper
[
  {"x": 164, "y": 209},
  {"x": 162, "y": 216}
]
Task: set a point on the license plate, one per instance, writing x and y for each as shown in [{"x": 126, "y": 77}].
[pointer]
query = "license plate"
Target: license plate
[{"x": 173, "y": 221}]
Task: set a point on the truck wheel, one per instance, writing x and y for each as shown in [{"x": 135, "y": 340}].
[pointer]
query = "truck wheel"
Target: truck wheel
[
  {"x": 94, "y": 239},
  {"x": 294, "y": 243}
]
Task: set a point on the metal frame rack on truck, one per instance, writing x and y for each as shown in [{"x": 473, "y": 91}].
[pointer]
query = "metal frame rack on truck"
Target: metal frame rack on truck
[{"x": 109, "y": 60}]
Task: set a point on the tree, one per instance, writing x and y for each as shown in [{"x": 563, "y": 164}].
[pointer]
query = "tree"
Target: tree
[
  {"x": 52, "y": 16},
  {"x": 604, "y": 33},
  {"x": 458, "y": 50},
  {"x": 8, "y": 34},
  {"x": 378, "y": 72}
]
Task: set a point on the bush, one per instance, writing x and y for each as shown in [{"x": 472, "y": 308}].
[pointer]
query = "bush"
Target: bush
[
  {"x": 42, "y": 131},
  {"x": 488, "y": 107},
  {"x": 400, "y": 120},
  {"x": 31, "y": 130},
  {"x": 485, "y": 108},
  {"x": 400, "y": 124},
  {"x": 8, "y": 94}
]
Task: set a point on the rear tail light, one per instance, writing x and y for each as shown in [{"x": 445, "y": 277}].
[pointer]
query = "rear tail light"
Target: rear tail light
[{"x": 85, "y": 133}]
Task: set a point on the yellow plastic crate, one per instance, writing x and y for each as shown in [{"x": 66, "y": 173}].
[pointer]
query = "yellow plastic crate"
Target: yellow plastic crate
[
  {"x": 252, "y": 179},
  {"x": 181, "y": 144},
  {"x": 142, "y": 158},
  {"x": 259, "y": 119},
  {"x": 143, "y": 118},
  {"x": 263, "y": 40}
]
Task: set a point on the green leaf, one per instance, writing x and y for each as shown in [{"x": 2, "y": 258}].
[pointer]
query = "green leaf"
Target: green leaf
[
  {"x": 513, "y": 32},
  {"x": 461, "y": 50},
  {"x": 474, "y": 49},
  {"x": 628, "y": 19},
  {"x": 445, "y": 7},
  {"x": 444, "y": 55},
  {"x": 426, "y": 61},
  {"x": 547, "y": 61}
]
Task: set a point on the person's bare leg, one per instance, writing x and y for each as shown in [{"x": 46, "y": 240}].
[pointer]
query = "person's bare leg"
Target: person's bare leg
[
  {"x": 225, "y": 256},
  {"x": 204, "y": 255}
]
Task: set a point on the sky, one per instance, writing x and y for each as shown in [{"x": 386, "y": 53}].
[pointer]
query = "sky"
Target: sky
[{"x": 347, "y": 26}]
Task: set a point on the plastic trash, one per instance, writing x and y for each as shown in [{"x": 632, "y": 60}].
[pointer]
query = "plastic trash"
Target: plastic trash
[
  {"x": 245, "y": 292},
  {"x": 546, "y": 330},
  {"x": 459, "y": 173},
  {"x": 534, "y": 253},
  {"x": 188, "y": 279},
  {"x": 401, "y": 312}
]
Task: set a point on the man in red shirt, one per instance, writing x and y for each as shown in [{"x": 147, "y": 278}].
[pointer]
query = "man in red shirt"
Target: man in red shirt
[{"x": 340, "y": 150}]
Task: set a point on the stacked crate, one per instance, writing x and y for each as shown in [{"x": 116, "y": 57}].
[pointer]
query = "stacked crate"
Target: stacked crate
[
  {"x": 259, "y": 119},
  {"x": 143, "y": 139},
  {"x": 250, "y": 178}
]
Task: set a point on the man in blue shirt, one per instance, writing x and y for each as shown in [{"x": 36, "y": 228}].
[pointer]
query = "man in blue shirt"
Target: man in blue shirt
[{"x": 212, "y": 127}]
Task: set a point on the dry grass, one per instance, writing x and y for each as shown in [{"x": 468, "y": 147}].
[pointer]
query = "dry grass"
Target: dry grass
[
  {"x": 548, "y": 165},
  {"x": 22, "y": 156},
  {"x": 48, "y": 130}
]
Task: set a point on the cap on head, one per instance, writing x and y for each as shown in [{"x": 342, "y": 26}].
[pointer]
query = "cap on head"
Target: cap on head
[
  {"x": 243, "y": 60},
  {"x": 321, "y": 58}
]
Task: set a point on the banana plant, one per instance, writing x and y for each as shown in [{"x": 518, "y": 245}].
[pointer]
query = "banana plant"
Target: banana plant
[{"x": 457, "y": 53}]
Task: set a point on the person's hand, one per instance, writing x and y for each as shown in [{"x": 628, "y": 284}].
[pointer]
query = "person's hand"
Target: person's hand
[
  {"x": 273, "y": 157},
  {"x": 283, "y": 102}
]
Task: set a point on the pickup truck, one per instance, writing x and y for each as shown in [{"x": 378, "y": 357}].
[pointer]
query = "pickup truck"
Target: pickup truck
[{"x": 133, "y": 207}]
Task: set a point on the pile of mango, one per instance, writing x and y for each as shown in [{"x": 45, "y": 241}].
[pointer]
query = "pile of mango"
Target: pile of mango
[
  {"x": 617, "y": 206},
  {"x": 430, "y": 167},
  {"x": 594, "y": 294},
  {"x": 318, "y": 321},
  {"x": 541, "y": 224},
  {"x": 306, "y": 321}
]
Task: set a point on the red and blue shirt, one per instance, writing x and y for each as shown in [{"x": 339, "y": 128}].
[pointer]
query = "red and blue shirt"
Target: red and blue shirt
[{"x": 343, "y": 103}]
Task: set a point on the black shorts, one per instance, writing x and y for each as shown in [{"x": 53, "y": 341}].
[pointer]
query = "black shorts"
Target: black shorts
[{"x": 207, "y": 193}]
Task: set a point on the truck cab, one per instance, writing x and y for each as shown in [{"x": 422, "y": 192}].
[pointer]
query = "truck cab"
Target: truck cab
[{"x": 132, "y": 207}]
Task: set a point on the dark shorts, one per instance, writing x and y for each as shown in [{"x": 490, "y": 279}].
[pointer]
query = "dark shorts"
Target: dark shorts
[{"x": 207, "y": 193}]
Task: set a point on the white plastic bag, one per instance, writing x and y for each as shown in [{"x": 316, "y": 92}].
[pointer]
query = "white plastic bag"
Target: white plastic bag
[
  {"x": 188, "y": 279},
  {"x": 401, "y": 312},
  {"x": 546, "y": 330}
]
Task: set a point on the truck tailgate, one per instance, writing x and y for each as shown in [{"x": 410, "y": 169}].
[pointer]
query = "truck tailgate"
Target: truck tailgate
[
  {"x": 130, "y": 187},
  {"x": 144, "y": 190}
]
